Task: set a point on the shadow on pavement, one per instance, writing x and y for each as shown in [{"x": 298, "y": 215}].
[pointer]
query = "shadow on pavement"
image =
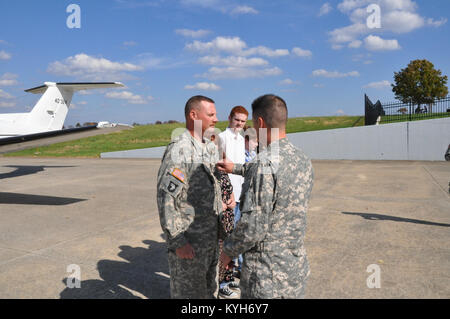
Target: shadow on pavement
[
  {"x": 145, "y": 272},
  {"x": 26, "y": 170},
  {"x": 395, "y": 219},
  {"x": 27, "y": 199}
]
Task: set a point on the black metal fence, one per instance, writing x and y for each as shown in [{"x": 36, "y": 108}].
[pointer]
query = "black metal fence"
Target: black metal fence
[{"x": 401, "y": 112}]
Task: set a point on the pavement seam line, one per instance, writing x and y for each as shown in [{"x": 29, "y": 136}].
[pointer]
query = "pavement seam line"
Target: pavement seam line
[{"x": 436, "y": 182}]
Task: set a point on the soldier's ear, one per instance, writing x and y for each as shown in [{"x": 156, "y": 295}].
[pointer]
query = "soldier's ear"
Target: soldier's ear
[
  {"x": 193, "y": 115},
  {"x": 261, "y": 122}
]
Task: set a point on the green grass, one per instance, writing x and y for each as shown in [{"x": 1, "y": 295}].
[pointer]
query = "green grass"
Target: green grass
[
  {"x": 159, "y": 135},
  {"x": 414, "y": 117}
]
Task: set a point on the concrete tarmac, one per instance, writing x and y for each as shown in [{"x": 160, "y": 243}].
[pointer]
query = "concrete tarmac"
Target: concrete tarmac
[{"x": 370, "y": 224}]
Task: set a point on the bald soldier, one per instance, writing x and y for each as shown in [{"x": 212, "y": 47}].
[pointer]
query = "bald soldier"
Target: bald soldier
[
  {"x": 274, "y": 201},
  {"x": 189, "y": 201}
]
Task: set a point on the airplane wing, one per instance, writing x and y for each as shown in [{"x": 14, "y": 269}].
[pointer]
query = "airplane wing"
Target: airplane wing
[
  {"x": 76, "y": 86},
  {"x": 31, "y": 137}
]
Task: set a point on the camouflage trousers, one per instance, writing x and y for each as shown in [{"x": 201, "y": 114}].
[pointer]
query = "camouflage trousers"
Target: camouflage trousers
[
  {"x": 263, "y": 279},
  {"x": 249, "y": 291},
  {"x": 194, "y": 278}
]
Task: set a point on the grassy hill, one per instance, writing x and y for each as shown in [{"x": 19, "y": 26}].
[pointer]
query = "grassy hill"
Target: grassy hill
[{"x": 159, "y": 135}]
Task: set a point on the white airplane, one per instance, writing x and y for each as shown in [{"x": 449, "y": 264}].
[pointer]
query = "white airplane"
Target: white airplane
[{"x": 49, "y": 113}]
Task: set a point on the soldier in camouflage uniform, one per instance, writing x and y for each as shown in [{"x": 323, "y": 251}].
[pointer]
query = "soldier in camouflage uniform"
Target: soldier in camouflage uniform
[
  {"x": 274, "y": 201},
  {"x": 189, "y": 201}
]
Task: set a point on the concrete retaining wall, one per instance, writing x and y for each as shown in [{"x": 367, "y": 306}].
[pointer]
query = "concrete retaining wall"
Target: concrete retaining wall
[
  {"x": 425, "y": 140},
  {"x": 419, "y": 140}
]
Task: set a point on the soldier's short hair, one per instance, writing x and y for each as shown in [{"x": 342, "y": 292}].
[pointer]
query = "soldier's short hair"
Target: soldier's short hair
[
  {"x": 194, "y": 103},
  {"x": 272, "y": 109}
]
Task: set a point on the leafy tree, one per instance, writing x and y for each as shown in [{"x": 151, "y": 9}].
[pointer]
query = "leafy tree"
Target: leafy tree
[{"x": 419, "y": 83}]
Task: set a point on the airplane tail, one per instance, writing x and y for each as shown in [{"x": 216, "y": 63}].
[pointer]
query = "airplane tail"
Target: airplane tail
[{"x": 51, "y": 110}]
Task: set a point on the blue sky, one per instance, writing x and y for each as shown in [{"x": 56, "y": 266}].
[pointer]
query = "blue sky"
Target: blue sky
[{"x": 320, "y": 56}]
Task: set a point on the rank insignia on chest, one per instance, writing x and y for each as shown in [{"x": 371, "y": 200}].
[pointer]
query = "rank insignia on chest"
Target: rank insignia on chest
[
  {"x": 172, "y": 187},
  {"x": 178, "y": 174}
]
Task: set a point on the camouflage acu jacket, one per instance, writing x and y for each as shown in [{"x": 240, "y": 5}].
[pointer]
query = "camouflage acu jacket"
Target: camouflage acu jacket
[
  {"x": 270, "y": 233},
  {"x": 188, "y": 194}
]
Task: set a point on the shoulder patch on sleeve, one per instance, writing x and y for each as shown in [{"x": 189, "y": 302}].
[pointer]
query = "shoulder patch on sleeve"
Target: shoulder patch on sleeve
[
  {"x": 171, "y": 185},
  {"x": 178, "y": 174}
]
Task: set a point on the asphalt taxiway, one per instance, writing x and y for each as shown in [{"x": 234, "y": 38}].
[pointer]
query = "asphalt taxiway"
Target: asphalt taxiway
[{"x": 97, "y": 218}]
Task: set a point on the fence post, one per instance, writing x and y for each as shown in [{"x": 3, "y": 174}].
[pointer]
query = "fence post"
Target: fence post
[{"x": 410, "y": 108}]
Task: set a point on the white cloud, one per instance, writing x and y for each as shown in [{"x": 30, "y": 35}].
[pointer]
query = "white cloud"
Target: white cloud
[
  {"x": 192, "y": 33},
  {"x": 85, "y": 66},
  {"x": 288, "y": 82},
  {"x": 227, "y": 44},
  {"x": 128, "y": 96},
  {"x": 239, "y": 73},
  {"x": 355, "y": 44},
  {"x": 401, "y": 21},
  {"x": 397, "y": 16},
  {"x": 235, "y": 46},
  {"x": 241, "y": 61},
  {"x": 378, "y": 85},
  {"x": 265, "y": 51},
  {"x": 340, "y": 112},
  {"x": 363, "y": 58},
  {"x": 436, "y": 23},
  {"x": 87, "y": 92},
  {"x": 149, "y": 61},
  {"x": 5, "y": 55},
  {"x": 205, "y": 86},
  {"x": 5, "y": 95},
  {"x": 8, "y": 79},
  {"x": 337, "y": 46},
  {"x": 348, "y": 33},
  {"x": 243, "y": 10},
  {"x": 375, "y": 43},
  {"x": 348, "y": 5},
  {"x": 334, "y": 74},
  {"x": 405, "y": 5},
  {"x": 236, "y": 61},
  {"x": 301, "y": 53},
  {"x": 325, "y": 9},
  {"x": 7, "y": 104}
]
